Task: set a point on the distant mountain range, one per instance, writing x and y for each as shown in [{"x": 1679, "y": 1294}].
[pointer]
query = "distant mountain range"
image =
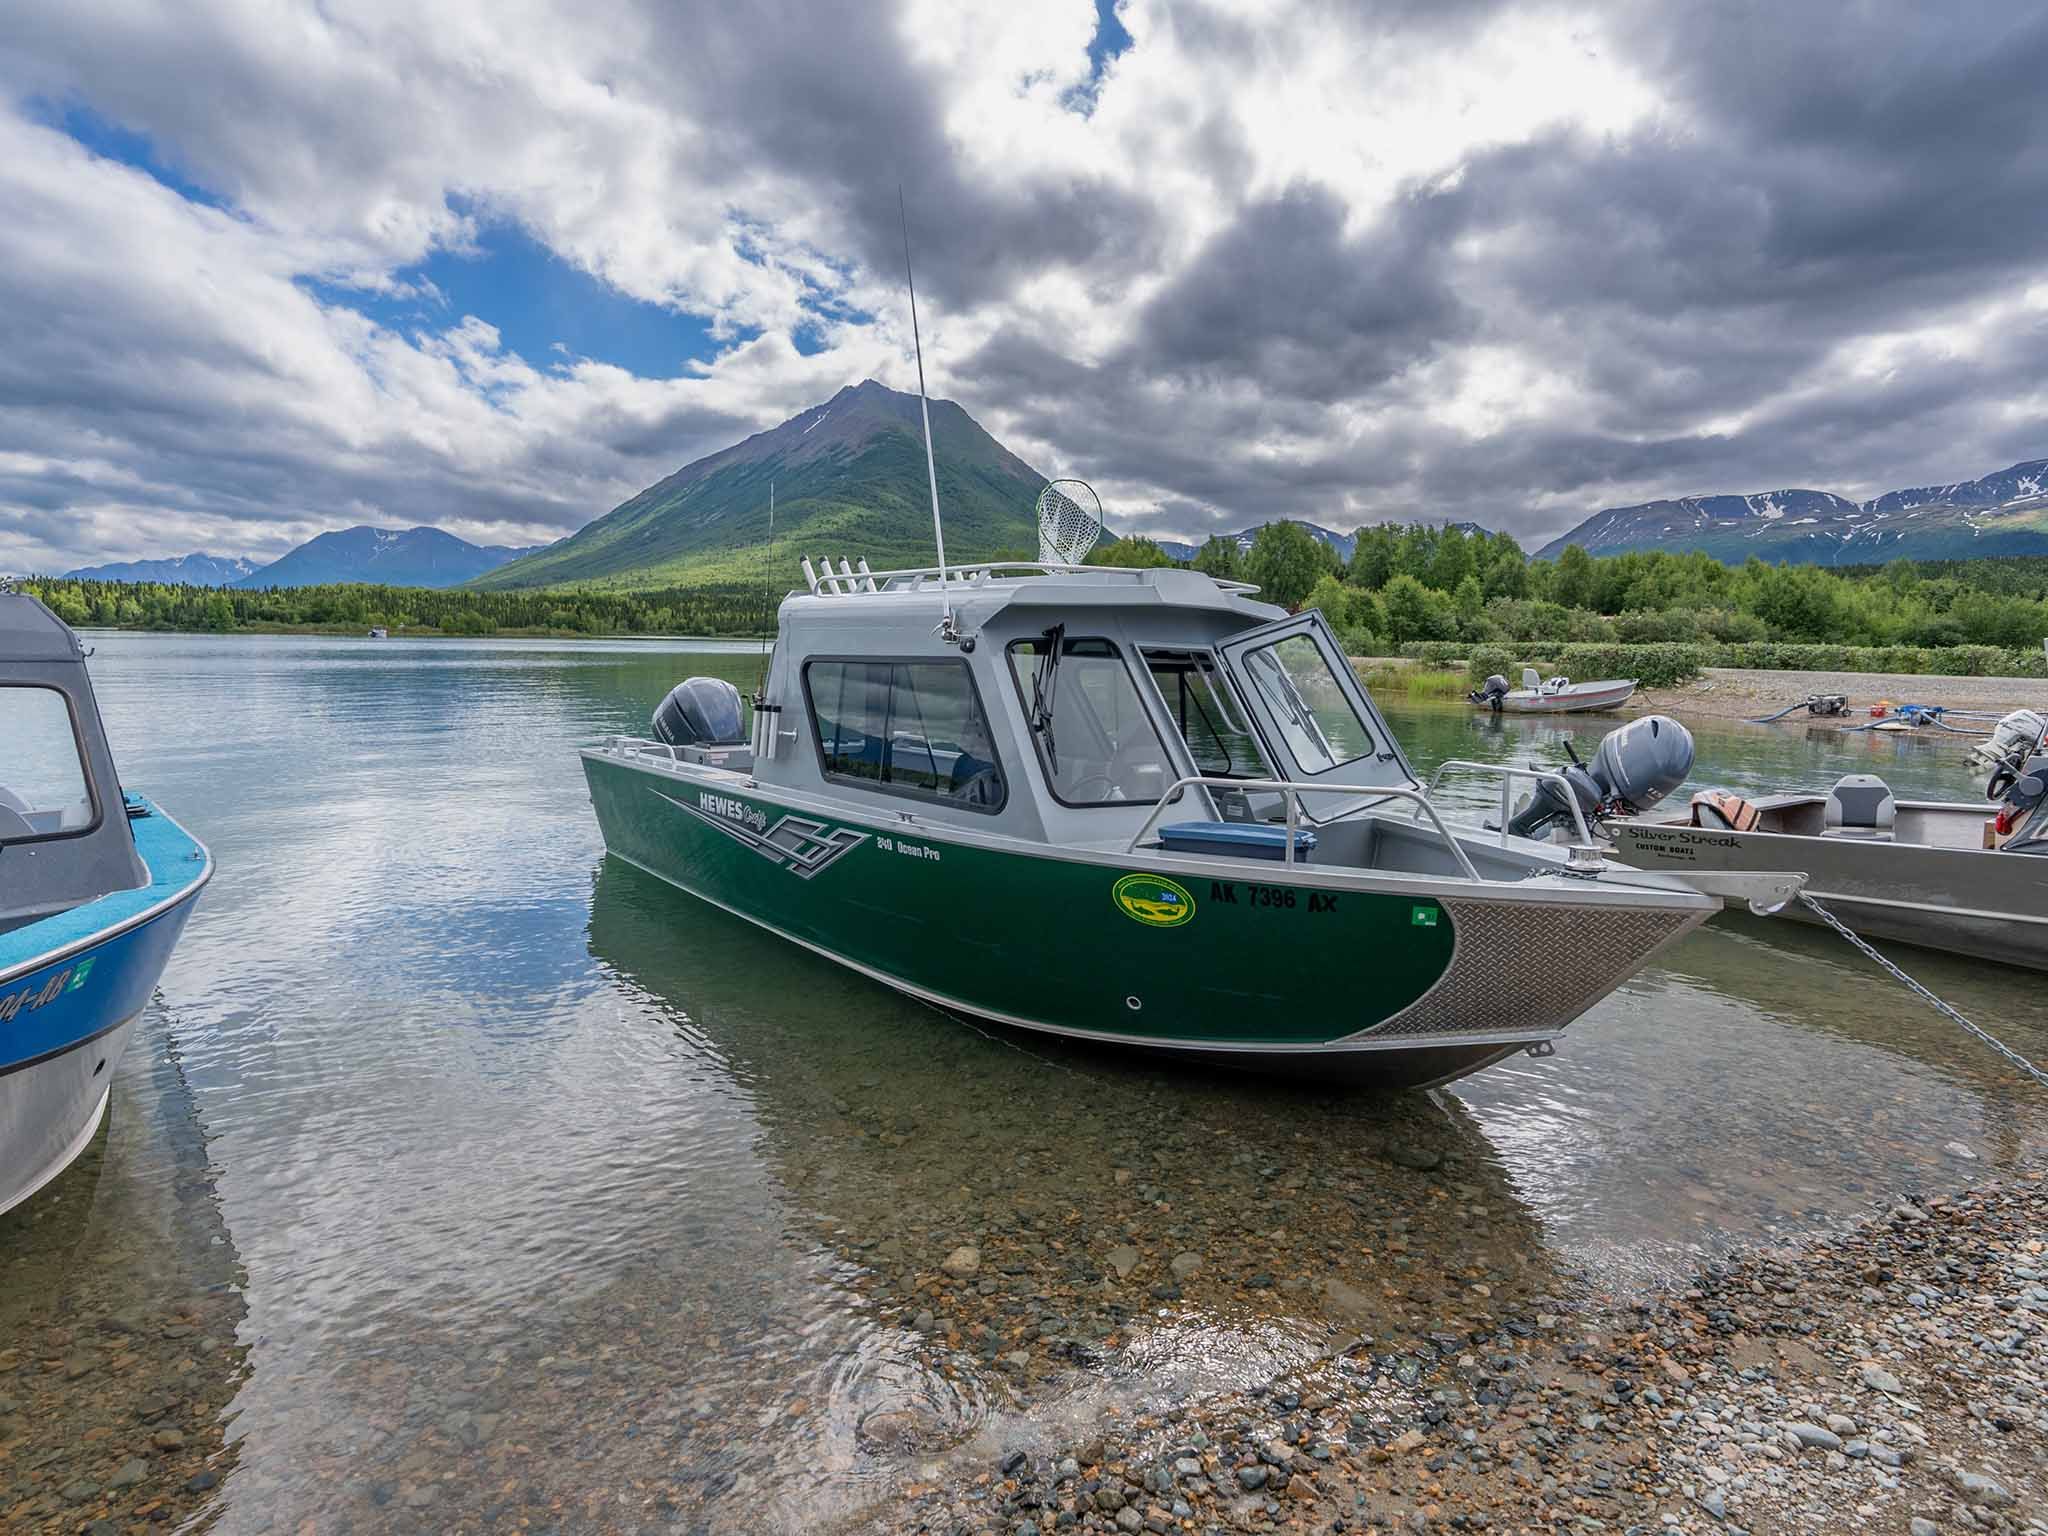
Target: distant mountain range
[
  {"x": 1340, "y": 542},
  {"x": 850, "y": 483},
  {"x": 2001, "y": 514},
  {"x": 395, "y": 557},
  {"x": 181, "y": 571}
]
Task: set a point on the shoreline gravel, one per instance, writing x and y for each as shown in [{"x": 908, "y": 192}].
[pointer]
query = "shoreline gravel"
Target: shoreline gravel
[
  {"x": 1742, "y": 693},
  {"x": 1893, "y": 1378}
]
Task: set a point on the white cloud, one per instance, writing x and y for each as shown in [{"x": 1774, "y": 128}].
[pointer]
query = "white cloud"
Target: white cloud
[{"x": 1561, "y": 255}]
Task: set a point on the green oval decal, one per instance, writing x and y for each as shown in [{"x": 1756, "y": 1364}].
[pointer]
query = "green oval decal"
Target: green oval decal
[{"x": 1154, "y": 901}]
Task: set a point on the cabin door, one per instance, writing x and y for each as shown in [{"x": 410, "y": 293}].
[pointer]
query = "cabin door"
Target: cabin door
[{"x": 1319, "y": 724}]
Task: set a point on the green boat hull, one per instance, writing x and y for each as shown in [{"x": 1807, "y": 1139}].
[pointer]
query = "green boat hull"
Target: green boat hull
[{"x": 1238, "y": 961}]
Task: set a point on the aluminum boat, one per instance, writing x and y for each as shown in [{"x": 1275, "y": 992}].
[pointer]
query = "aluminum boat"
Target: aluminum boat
[
  {"x": 1932, "y": 873},
  {"x": 95, "y": 887},
  {"x": 1130, "y": 806},
  {"x": 1552, "y": 696}
]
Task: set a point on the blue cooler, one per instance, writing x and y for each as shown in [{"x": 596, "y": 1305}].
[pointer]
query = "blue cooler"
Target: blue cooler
[{"x": 1238, "y": 840}]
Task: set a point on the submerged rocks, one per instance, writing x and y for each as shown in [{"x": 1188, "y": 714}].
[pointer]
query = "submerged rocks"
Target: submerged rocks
[{"x": 962, "y": 1262}]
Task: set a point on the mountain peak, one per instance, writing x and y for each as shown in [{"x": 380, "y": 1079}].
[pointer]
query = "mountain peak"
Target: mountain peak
[
  {"x": 2001, "y": 514},
  {"x": 848, "y": 472}
]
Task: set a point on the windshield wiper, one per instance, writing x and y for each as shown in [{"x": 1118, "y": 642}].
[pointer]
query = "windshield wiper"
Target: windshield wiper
[{"x": 1043, "y": 681}]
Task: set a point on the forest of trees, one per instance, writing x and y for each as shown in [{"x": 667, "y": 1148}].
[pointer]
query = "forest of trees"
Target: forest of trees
[
  {"x": 741, "y": 609},
  {"x": 1434, "y": 583},
  {"x": 1402, "y": 586}
]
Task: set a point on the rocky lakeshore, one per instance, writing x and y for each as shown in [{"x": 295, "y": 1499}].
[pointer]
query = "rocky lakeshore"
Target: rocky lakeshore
[
  {"x": 1892, "y": 1378},
  {"x": 1748, "y": 693}
]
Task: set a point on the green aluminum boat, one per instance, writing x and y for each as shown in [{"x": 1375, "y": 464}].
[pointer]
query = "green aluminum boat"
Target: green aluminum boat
[{"x": 1130, "y": 806}]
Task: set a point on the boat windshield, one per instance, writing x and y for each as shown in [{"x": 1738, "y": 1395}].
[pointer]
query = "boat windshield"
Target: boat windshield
[
  {"x": 43, "y": 787},
  {"x": 1321, "y": 729},
  {"x": 1097, "y": 742},
  {"x": 1220, "y": 743}
]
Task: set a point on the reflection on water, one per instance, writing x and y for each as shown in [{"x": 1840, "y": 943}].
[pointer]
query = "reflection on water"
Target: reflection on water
[{"x": 559, "y": 1199}]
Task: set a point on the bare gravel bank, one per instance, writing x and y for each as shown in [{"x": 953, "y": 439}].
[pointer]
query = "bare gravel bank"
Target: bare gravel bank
[
  {"x": 1894, "y": 1379},
  {"x": 1741, "y": 693}
]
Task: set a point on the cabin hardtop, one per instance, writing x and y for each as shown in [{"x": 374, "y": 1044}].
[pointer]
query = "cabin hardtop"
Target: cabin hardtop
[
  {"x": 1067, "y": 702},
  {"x": 64, "y": 835}
]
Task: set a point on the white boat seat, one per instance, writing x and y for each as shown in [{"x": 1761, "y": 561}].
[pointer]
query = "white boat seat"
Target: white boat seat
[{"x": 1861, "y": 806}]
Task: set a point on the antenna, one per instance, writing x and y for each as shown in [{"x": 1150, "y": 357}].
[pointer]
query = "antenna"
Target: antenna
[
  {"x": 761, "y": 677},
  {"x": 931, "y": 469}
]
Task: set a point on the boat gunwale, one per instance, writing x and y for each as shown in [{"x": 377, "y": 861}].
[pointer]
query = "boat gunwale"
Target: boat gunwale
[
  {"x": 13, "y": 970},
  {"x": 1537, "y": 889}
]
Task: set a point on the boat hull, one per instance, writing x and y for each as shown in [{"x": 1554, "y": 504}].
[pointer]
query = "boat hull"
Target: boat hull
[
  {"x": 1990, "y": 906},
  {"x": 1243, "y": 963},
  {"x": 71, "y": 989},
  {"x": 1581, "y": 699}
]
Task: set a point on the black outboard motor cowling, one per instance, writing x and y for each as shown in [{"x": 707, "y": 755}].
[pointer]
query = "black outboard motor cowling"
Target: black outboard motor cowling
[
  {"x": 1490, "y": 692},
  {"x": 701, "y": 712},
  {"x": 2023, "y": 817},
  {"x": 1634, "y": 768}
]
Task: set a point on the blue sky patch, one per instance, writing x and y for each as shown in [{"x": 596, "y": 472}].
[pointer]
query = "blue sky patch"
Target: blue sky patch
[
  {"x": 545, "y": 309},
  {"x": 110, "y": 141}
]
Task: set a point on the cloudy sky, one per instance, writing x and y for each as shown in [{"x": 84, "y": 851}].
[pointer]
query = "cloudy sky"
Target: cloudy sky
[{"x": 268, "y": 266}]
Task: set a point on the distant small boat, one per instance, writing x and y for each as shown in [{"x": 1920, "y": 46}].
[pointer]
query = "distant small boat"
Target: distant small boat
[
  {"x": 379, "y": 634},
  {"x": 1554, "y": 696}
]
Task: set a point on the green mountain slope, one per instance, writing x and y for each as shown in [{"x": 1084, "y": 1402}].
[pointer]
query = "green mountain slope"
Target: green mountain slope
[{"x": 849, "y": 480}]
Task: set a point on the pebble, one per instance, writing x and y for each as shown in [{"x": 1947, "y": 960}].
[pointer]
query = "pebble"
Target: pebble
[
  {"x": 1186, "y": 1266},
  {"x": 1123, "y": 1259},
  {"x": 962, "y": 1261},
  {"x": 1878, "y": 1379},
  {"x": 1812, "y": 1436},
  {"x": 1983, "y": 1491},
  {"x": 1920, "y": 1525},
  {"x": 132, "y": 1472}
]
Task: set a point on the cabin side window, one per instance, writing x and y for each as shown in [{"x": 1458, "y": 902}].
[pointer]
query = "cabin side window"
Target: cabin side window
[
  {"x": 1220, "y": 742},
  {"x": 910, "y": 727},
  {"x": 1097, "y": 741},
  {"x": 44, "y": 789}
]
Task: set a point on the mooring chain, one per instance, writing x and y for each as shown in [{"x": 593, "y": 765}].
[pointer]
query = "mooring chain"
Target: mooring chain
[{"x": 1932, "y": 1001}]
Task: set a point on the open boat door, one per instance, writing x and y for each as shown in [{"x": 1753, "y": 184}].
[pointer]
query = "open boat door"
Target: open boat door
[{"x": 1316, "y": 717}]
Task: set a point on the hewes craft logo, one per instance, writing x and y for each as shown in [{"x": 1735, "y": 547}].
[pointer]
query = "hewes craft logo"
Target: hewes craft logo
[{"x": 1153, "y": 900}]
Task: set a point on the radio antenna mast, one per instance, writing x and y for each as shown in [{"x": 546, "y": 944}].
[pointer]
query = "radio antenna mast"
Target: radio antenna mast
[
  {"x": 761, "y": 677},
  {"x": 947, "y": 629}
]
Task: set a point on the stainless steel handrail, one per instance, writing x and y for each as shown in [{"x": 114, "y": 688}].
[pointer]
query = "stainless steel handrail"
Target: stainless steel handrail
[
  {"x": 641, "y": 746},
  {"x": 1509, "y": 772},
  {"x": 847, "y": 582},
  {"x": 1294, "y": 790}
]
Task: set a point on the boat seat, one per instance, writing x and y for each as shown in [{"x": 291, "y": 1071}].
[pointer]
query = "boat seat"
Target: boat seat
[
  {"x": 1238, "y": 840},
  {"x": 1861, "y": 806}
]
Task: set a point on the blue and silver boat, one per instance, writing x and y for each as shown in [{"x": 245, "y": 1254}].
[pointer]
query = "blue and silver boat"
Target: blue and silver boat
[{"x": 95, "y": 887}]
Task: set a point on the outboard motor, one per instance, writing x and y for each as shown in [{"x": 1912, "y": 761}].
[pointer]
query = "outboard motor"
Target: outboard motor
[
  {"x": 2014, "y": 739},
  {"x": 701, "y": 712},
  {"x": 1490, "y": 692},
  {"x": 2022, "y": 822},
  {"x": 1634, "y": 768}
]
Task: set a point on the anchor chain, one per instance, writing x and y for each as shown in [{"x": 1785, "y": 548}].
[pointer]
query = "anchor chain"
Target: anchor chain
[{"x": 1927, "y": 996}]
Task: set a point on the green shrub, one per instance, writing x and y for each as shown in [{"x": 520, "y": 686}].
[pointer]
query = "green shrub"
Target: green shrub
[{"x": 1654, "y": 666}]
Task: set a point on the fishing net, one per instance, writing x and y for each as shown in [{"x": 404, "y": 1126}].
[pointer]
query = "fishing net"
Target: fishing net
[{"x": 1067, "y": 529}]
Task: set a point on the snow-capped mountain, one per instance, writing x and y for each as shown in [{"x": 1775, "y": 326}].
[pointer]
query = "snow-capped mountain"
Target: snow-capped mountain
[
  {"x": 2001, "y": 514},
  {"x": 179, "y": 571}
]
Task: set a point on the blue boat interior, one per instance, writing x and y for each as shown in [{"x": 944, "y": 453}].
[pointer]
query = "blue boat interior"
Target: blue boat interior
[{"x": 172, "y": 861}]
